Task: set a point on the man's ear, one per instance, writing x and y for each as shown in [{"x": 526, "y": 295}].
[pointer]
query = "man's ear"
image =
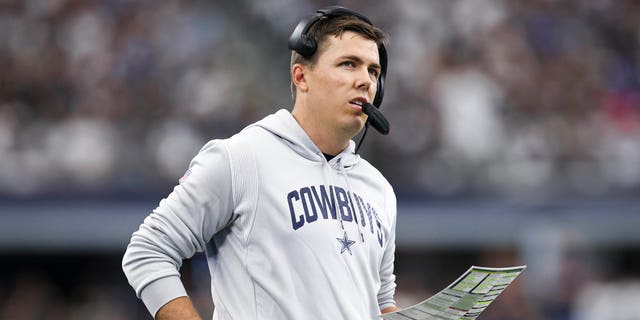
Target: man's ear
[{"x": 298, "y": 77}]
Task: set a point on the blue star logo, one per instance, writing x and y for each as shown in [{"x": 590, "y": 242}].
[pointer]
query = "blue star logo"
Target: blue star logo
[{"x": 346, "y": 244}]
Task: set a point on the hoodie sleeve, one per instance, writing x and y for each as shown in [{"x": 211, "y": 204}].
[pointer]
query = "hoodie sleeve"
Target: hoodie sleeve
[
  {"x": 181, "y": 225},
  {"x": 387, "y": 277}
]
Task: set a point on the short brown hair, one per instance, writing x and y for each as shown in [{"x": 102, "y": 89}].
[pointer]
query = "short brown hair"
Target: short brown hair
[{"x": 334, "y": 26}]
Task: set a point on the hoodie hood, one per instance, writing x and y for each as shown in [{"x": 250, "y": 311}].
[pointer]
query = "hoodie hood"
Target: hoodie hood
[{"x": 284, "y": 125}]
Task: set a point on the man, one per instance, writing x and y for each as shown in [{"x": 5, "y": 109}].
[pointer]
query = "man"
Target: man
[{"x": 295, "y": 225}]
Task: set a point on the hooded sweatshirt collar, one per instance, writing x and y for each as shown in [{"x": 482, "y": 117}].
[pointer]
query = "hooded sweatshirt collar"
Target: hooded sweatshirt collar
[{"x": 284, "y": 125}]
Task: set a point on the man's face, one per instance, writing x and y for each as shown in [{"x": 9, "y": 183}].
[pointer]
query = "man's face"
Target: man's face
[{"x": 344, "y": 76}]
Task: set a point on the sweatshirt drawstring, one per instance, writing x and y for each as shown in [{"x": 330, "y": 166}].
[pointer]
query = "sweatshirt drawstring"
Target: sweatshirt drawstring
[
  {"x": 353, "y": 207},
  {"x": 343, "y": 172},
  {"x": 334, "y": 184}
]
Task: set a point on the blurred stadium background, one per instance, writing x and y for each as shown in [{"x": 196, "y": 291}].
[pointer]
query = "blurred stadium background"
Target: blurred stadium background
[{"x": 515, "y": 140}]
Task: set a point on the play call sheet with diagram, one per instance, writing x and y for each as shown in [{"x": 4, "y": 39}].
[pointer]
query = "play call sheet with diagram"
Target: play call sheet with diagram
[{"x": 464, "y": 299}]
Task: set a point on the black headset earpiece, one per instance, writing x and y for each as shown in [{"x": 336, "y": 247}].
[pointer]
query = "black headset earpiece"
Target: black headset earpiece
[
  {"x": 382, "y": 52},
  {"x": 306, "y": 46},
  {"x": 299, "y": 41}
]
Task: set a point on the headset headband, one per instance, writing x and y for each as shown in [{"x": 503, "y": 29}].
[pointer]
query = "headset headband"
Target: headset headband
[{"x": 306, "y": 46}]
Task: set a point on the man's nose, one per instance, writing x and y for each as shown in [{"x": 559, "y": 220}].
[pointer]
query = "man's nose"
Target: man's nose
[{"x": 364, "y": 80}]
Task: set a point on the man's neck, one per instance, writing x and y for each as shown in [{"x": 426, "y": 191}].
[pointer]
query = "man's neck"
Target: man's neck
[
  {"x": 328, "y": 156},
  {"x": 325, "y": 140}
]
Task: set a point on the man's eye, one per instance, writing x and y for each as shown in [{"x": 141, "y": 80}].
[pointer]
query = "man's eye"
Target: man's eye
[
  {"x": 373, "y": 73},
  {"x": 348, "y": 64}
]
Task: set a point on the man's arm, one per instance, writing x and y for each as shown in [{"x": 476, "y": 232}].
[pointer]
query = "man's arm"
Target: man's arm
[
  {"x": 181, "y": 225},
  {"x": 178, "y": 309},
  {"x": 387, "y": 277}
]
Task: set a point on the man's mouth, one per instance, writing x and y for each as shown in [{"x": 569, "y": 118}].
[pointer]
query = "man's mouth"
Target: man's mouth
[{"x": 358, "y": 101}]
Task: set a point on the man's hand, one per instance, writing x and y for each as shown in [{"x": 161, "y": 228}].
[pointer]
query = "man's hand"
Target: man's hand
[
  {"x": 389, "y": 309},
  {"x": 178, "y": 309}
]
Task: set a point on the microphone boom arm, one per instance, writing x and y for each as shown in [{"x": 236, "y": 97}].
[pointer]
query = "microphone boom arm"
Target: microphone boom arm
[{"x": 376, "y": 118}]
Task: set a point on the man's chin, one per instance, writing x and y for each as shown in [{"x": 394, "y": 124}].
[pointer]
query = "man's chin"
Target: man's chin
[{"x": 354, "y": 127}]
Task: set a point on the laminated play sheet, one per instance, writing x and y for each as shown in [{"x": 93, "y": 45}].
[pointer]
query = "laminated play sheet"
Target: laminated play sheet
[{"x": 464, "y": 299}]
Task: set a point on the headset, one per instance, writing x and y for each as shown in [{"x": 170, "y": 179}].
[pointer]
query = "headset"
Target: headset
[{"x": 306, "y": 46}]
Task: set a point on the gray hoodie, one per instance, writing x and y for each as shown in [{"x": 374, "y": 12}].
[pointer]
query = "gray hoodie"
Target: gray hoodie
[{"x": 287, "y": 234}]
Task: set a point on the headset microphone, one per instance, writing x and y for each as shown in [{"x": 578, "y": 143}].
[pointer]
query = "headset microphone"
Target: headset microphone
[{"x": 376, "y": 118}]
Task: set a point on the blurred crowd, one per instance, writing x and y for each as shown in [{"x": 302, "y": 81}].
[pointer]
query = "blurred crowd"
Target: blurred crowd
[
  {"x": 527, "y": 98},
  {"x": 488, "y": 96},
  {"x": 89, "y": 286},
  {"x": 73, "y": 287}
]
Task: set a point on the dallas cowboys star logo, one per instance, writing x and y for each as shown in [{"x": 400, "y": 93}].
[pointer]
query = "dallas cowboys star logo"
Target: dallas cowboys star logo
[{"x": 346, "y": 244}]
